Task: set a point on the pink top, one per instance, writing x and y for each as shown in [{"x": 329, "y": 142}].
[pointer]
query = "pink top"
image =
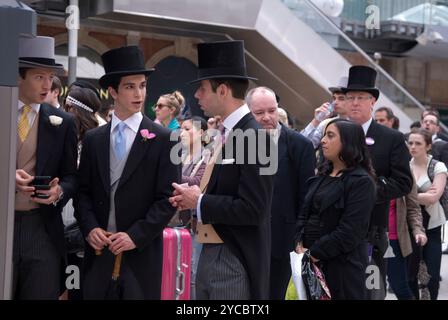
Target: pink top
[{"x": 393, "y": 234}]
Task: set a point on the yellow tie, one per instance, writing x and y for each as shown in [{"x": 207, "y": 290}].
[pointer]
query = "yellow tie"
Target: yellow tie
[{"x": 24, "y": 126}]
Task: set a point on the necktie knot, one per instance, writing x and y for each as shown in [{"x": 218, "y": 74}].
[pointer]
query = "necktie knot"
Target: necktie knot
[{"x": 25, "y": 110}]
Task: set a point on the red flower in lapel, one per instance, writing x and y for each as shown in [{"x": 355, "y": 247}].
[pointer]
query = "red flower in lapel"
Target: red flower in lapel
[{"x": 147, "y": 135}]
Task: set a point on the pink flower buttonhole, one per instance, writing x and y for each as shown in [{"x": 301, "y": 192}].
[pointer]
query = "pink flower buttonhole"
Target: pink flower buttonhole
[{"x": 146, "y": 135}]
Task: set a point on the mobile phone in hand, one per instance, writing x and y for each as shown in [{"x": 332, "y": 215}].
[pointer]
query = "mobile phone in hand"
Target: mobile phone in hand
[{"x": 41, "y": 183}]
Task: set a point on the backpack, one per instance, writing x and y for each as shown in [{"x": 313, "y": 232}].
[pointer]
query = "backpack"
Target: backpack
[{"x": 444, "y": 197}]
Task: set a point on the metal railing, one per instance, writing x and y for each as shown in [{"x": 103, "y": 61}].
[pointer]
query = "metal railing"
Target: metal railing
[{"x": 306, "y": 10}]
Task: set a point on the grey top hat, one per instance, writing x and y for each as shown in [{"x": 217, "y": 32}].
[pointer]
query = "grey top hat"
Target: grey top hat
[
  {"x": 37, "y": 52},
  {"x": 342, "y": 83}
]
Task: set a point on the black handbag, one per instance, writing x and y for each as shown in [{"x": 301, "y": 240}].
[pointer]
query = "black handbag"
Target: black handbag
[
  {"x": 315, "y": 285},
  {"x": 74, "y": 240}
]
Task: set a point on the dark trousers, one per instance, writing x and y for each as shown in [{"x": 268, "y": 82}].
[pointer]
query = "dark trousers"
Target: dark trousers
[
  {"x": 36, "y": 262},
  {"x": 378, "y": 239},
  {"x": 432, "y": 255},
  {"x": 221, "y": 276},
  {"x": 97, "y": 283},
  {"x": 279, "y": 280},
  {"x": 397, "y": 273}
]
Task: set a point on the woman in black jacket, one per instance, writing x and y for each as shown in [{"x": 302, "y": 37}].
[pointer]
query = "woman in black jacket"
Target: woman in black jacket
[{"x": 334, "y": 222}]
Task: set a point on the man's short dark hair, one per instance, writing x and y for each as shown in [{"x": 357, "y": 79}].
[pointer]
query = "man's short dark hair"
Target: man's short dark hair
[
  {"x": 389, "y": 113},
  {"x": 237, "y": 86}
]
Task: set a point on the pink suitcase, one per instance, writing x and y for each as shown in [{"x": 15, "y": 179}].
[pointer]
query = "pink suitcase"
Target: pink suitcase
[{"x": 176, "y": 270}]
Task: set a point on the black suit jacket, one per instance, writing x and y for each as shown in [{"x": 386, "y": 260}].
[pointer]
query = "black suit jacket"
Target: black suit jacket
[
  {"x": 237, "y": 203},
  {"x": 56, "y": 156},
  {"x": 142, "y": 208},
  {"x": 296, "y": 164},
  {"x": 390, "y": 159}
]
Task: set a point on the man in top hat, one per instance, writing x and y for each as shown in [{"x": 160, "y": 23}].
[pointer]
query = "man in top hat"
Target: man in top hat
[
  {"x": 390, "y": 159},
  {"x": 125, "y": 177},
  {"x": 46, "y": 146},
  {"x": 234, "y": 200},
  {"x": 322, "y": 115}
]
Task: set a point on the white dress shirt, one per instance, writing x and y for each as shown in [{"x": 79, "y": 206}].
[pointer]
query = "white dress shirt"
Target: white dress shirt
[
  {"x": 229, "y": 123},
  {"x": 366, "y": 126}
]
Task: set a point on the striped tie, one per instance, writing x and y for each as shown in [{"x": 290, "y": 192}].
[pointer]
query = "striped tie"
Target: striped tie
[{"x": 23, "y": 126}]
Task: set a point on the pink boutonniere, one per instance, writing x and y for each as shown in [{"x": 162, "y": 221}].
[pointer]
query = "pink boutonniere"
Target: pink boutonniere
[
  {"x": 370, "y": 141},
  {"x": 147, "y": 135}
]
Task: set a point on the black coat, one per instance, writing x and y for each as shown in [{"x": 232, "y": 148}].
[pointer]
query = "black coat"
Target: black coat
[
  {"x": 142, "y": 208},
  {"x": 296, "y": 164},
  {"x": 237, "y": 204},
  {"x": 390, "y": 159},
  {"x": 344, "y": 219},
  {"x": 56, "y": 156}
]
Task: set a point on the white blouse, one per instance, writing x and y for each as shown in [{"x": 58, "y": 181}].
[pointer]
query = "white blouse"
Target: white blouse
[{"x": 437, "y": 215}]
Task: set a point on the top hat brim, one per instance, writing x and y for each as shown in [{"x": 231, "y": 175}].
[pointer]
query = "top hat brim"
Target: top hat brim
[
  {"x": 29, "y": 64},
  {"x": 108, "y": 77},
  {"x": 335, "y": 89},
  {"x": 222, "y": 77},
  {"x": 373, "y": 91}
]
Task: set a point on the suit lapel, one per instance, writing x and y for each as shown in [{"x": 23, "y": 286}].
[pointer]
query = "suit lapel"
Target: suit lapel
[
  {"x": 230, "y": 139},
  {"x": 137, "y": 152},
  {"x": 46, "y": 135},
  {"x": 103, "y": 155}
]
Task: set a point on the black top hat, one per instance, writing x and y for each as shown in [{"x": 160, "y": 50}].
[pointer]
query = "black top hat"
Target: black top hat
[
  {"x": 122, "y": 62},
  {"x": 362, "y": 78},
  {"x": 222, "y": 59}
]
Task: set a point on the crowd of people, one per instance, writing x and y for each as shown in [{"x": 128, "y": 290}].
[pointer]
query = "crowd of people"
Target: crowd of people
[{"x": 349, "y": 189}]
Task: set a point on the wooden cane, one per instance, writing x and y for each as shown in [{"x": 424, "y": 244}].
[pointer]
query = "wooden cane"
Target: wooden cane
[{"x": 117, "y": 266}]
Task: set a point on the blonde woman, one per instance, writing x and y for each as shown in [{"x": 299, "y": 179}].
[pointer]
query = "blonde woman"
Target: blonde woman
[{"x": 168, "y": 108}]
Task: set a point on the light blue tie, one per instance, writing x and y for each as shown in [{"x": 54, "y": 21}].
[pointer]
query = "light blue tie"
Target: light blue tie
[{"x": 120, "y": 141}]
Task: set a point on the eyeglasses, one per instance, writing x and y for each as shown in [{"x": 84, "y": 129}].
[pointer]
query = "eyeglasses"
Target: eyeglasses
[
  {"x": 360, "y": 98},
  {"x": 430, "y": 122},
  {"x": 159, "y": 106}
]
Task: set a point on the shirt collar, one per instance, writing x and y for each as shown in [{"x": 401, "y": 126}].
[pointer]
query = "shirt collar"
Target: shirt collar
[
  {"x": 34, "y": 106},
  {"x": 133, "y": 122},
  {"x": 366, "y": 125},
  {"x": 235, "y": 117}
]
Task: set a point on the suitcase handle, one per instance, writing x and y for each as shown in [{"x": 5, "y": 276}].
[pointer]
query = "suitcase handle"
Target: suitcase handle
[{"x": 180, "y": 291}]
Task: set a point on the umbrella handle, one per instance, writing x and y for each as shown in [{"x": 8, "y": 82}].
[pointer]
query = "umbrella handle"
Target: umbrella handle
[{"x": 117, "y": 266}]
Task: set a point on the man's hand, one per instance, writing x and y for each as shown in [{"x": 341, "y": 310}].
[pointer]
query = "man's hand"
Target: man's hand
[
  {"x": 98, "y": 238},
  {"x": 23, "y": 179},
  {"x": 121, "y": 242},
  {"x": 185, "y": 197},
  {"x": 322, "y": 108},
  {"x": 54, "y": 193}
]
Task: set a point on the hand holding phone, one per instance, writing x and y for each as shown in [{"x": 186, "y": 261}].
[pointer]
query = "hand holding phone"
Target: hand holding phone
[{"x": 41, "y": 183}]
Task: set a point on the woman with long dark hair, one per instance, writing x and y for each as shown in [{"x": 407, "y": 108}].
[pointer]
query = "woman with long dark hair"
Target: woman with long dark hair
[{"x": 334, "y": 222}]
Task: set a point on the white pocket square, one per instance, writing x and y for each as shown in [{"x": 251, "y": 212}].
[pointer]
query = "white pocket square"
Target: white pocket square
[{"x": 228, "y": 161}]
